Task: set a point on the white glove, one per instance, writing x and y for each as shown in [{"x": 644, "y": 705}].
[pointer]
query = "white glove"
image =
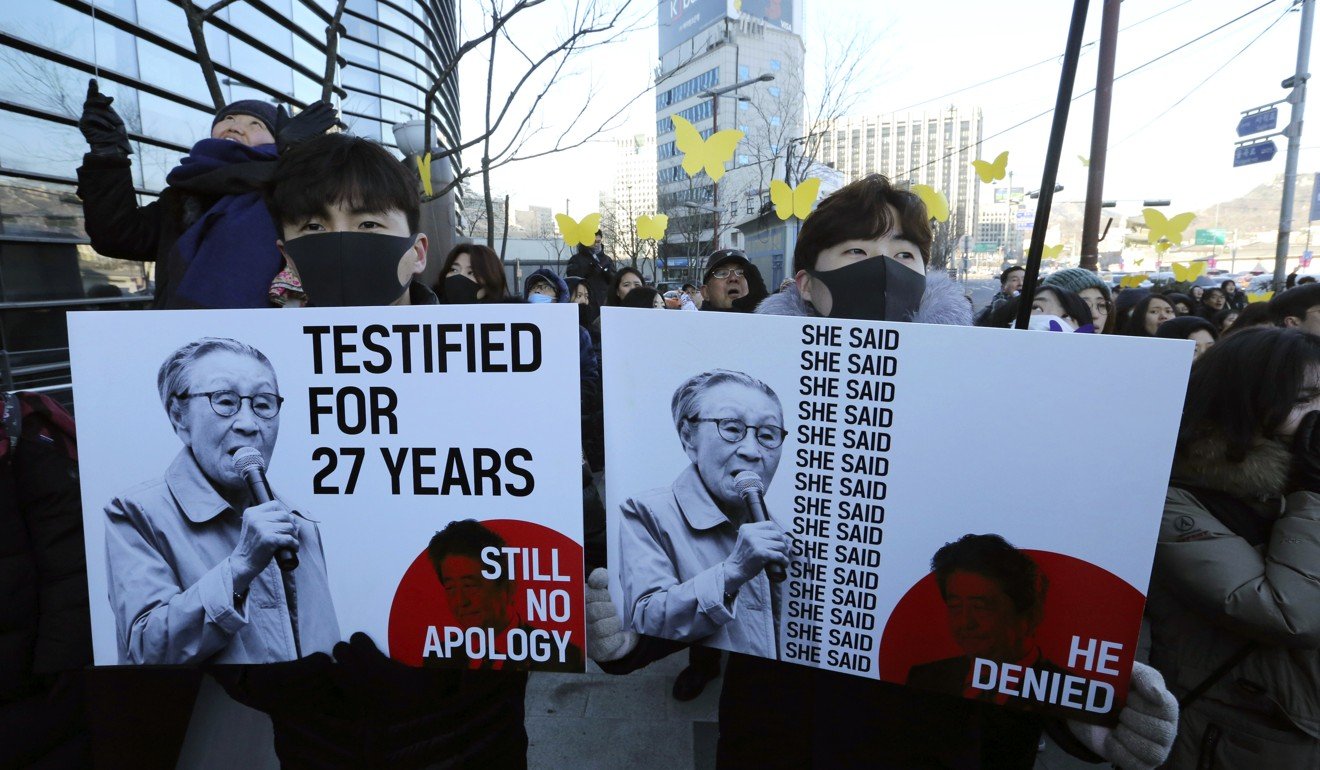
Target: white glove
[
  {"x": 607, "y": 639},
  {"x": 1146, "y": 727}
]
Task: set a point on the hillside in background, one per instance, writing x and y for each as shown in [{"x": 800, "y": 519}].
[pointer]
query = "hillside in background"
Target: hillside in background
[{"x": 1258, "y": 210}]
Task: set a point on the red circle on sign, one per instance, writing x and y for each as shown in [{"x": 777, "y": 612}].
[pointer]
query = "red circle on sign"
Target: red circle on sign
[
  {"x": 1082, "y": 600},
  {"x": 420, "y": 602}
]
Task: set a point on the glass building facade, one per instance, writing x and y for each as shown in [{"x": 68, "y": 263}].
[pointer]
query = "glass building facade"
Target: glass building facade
[{"x": 142, "y": 54}]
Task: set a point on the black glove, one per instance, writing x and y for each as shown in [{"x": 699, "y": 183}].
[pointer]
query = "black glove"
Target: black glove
[
  {"x": 289, "y": 685},
  {"x": 102, "y": 126},
  {"x": 386, "y": 686},
  {"x": 1306, "y": 454},
  {"x": 318, "y": 118}
]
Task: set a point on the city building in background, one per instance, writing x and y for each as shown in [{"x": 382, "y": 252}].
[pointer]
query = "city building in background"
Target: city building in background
[
  {"x": 142, "y": 54},
  {"x": 931, "y": 148},
  {"x": 632, "y": 194},
  {"x": 724, "y": 65}
]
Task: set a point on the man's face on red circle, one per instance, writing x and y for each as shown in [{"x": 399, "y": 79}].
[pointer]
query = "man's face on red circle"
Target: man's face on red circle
[
  {"x": 475, "y": 600},
  {"x": 982, "y": 618}
]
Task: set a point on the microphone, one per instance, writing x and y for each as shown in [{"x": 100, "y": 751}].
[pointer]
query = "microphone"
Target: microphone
[
  {"x": 749, "y": 485},
  {"x": 252, "y": 467}
]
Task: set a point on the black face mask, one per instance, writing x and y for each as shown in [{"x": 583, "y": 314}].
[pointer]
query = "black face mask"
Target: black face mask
[
  {"x": 875, "y": 289},
  {"x": 349, "y": 269},
  {"x": 461, "y": 290}
]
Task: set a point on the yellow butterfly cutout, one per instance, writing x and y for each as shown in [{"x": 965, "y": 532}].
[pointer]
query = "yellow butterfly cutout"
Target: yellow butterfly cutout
[
  {"x": 709, "y": 154},
  {"x": 1052, "y": 252},
  {"x": 1259, "y": 296},
  {"x": 989, "y": 172},
  {"x": 1132, "y": 281},
  {"x": 652, "y": 227},
  {"x": 575, "y": 232},
  {"x": 1138, "y": 262},
  {"x": 936, "y": 204},
  {"x": 794, "y": 201},
  {"x": 1188, "y": 273},
  {"x": 1086, "y": 162},
  {"x": 424, "y": 169},
  {"x": 1162, "y": 227},
  {"x": 1162, "y": 247}
]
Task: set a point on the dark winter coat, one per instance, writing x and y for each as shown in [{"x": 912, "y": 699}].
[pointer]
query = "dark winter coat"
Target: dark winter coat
[
  {"x": 120, "y": 229},
  {"x": 1238, "y": 564},
  {"x": 45, "y": 630},
  {"x": 596, "y": 269}
]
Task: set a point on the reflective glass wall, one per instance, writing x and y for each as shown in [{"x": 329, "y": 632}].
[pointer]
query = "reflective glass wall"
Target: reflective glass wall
[{"x": 142, "y": 54}]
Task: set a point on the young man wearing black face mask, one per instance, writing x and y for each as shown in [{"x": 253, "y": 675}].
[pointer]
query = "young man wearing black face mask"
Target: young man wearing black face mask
[
  {"x": 348, "y": 212},
  {"x": 348, "y": 216}
]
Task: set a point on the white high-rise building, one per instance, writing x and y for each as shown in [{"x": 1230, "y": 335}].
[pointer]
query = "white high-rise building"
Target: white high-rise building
[
  {"x": 933, "y": 148},
  {"x": 632, "y": 194},
  {"x": 633, "y": 189}
]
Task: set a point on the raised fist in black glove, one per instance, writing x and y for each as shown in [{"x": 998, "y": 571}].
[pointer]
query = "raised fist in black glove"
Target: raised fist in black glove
[
  {"x": 1306, "y": 454},
  {"x": 318, "y": 118},
  {"x": 102, "y": 126}
]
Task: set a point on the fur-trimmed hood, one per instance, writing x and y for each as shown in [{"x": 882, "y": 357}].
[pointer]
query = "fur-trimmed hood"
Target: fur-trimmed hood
[
  {"x": 1263, "y": 474},
  {"x": 942, "y": 303}
]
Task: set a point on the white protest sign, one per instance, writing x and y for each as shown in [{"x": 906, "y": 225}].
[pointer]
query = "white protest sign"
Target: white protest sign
[
  {"x": 396, "y": 424},
  {"x": 1051, "y": 451}
]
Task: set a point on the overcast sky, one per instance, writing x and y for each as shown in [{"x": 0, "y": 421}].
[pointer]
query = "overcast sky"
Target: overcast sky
[{"x": 925, "y": 50}]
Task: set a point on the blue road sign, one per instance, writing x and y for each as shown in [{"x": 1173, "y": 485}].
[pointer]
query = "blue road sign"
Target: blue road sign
[
  {"x": 1257, "y": 122},
  {"x": 1260, "y": 152}
]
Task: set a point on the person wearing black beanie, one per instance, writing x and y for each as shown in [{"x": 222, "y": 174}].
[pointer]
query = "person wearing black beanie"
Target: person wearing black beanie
[{"x": 209, "y": 234}]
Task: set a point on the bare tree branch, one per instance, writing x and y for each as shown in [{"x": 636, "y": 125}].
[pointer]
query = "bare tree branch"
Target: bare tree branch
[
  {"x": 449, "y": 68},
  {"x": 216, "y": 8},
  {"x": 196, "y": 20},
  {"x": 332, "y": 33}
]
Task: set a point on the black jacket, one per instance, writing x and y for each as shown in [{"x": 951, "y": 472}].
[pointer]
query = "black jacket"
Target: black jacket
[
  {"x": 121, "y": 229},
  {"x": 596, "y": 271}
]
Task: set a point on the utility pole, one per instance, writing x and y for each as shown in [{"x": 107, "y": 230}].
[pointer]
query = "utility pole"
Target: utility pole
[
  {"x": 1104, "y": 92},
  {"x": 1294, "y": 133}
]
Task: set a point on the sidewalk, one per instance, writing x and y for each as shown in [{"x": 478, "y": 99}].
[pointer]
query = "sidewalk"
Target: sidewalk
[{"x": 595, "y": 720}]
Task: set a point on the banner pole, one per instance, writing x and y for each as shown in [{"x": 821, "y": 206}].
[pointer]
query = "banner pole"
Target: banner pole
[{"x": 1061, "y": 104}]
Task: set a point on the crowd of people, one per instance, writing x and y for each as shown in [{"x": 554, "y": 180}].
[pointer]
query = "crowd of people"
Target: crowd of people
[
  {"x": 1078, "y": 300},
  {"x": 273, "y": 211}
]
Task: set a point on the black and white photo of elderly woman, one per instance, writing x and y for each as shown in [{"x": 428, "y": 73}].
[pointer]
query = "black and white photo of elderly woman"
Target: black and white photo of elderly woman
[{"x": 190, "y": 555}]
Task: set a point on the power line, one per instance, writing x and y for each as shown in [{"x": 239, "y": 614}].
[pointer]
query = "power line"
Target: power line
[
  {"x": 1207, "y": 79},
  {"x": 1090, "y": 91},
  {"x": 1037, "y": 64}
]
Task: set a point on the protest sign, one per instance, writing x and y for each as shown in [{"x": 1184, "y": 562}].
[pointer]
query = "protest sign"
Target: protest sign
[
  {"x": 878, "y": 445},
  {"x": 437, "y": 503}
]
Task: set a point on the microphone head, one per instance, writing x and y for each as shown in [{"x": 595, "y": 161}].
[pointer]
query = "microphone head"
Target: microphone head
[
  {"x": 748, "y": 481},
  {"x": 248, "y": 458}
]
